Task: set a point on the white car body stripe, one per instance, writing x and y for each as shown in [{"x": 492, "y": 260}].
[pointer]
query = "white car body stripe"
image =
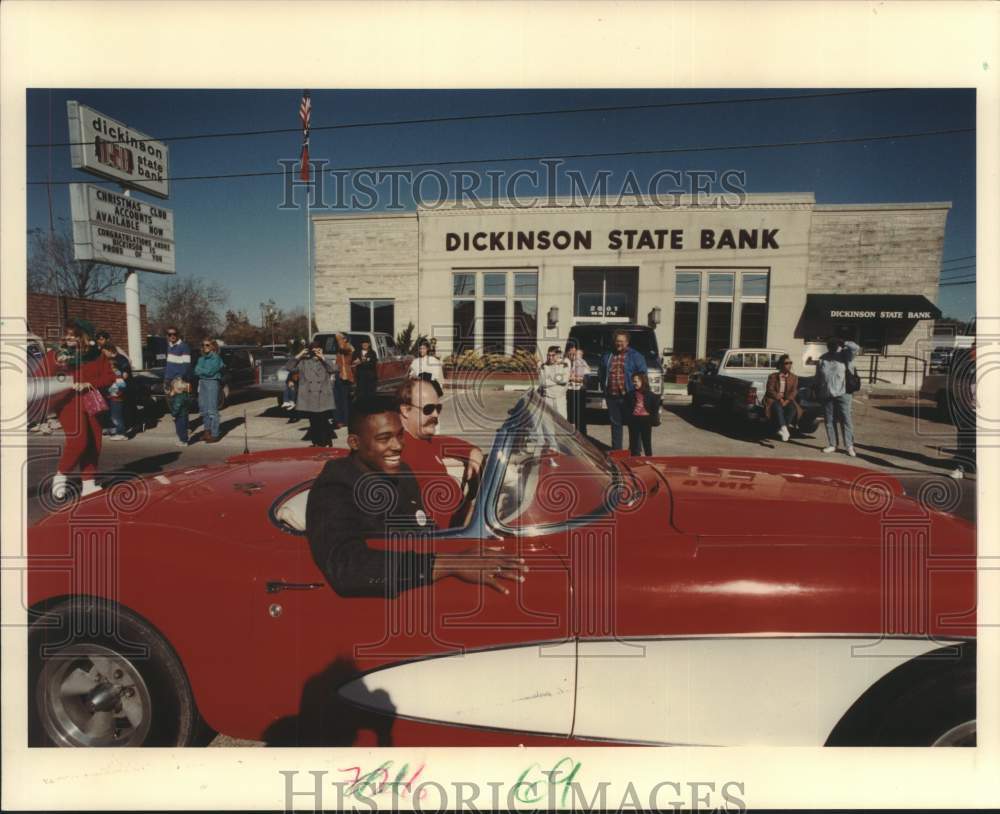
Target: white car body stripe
[
  {"x": 762, "y": 689},
  {"x": 730, "y": 691},
  {"x": 525, "y": 688}
]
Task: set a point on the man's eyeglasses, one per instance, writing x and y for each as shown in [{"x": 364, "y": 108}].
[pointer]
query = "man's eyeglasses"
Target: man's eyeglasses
[
  {"x": 171, "y": 333},
  {"x": 427, "y": 409},
  {"x": 206, "y": 346}
]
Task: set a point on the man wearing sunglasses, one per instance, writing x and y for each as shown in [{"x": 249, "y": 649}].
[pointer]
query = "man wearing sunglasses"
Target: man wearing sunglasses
[
  {"x": 424, "y": 452},
  {"x": 372, "y": 494},
  {"x": 781, "y": 398},
  {"x": 178, "y": 367}
]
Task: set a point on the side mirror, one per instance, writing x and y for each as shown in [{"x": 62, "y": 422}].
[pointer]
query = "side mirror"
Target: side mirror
[{"x": 618, "y": 454}]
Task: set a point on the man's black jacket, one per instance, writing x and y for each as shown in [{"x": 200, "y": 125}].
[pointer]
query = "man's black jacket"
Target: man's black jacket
[{"x": 347, "y": 505}]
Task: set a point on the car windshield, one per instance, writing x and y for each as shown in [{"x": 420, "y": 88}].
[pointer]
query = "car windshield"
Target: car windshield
[
  {"x": 596, "y": 340},
  {"x": 550, "y": 473}
]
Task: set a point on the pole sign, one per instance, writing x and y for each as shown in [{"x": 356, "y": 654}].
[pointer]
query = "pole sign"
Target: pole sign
[
  {"x": 105, "y": 147},
  {"x": 121, "y": 231}
]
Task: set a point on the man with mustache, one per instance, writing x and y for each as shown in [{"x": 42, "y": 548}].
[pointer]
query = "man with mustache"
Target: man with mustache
[
  {"x": 372, "y": 494},
  {"x": 424, "y": 452}
]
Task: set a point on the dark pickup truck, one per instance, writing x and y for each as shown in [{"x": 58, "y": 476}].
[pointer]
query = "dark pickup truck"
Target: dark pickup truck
[
  {"x": 241, "y": 373},
  {"x": 596, "y": 339}
]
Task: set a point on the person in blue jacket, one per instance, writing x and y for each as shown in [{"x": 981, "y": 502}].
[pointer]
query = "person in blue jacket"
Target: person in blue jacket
[
  {"x": 615, "y": 373},
  {"x": 208, "y": 369},
  {"x": 178, "y": 367}
]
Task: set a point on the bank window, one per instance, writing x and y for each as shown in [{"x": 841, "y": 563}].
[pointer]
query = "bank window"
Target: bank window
[
  {"x": 494, "y": 313},
  {"x": 753, "y": 324},
  {"x": 687, "y": 284},
  {"x": 753, "y": 309},
  {"x": 495, "y": 285},
  {"x": 463, "y": 312},
  {"x": 525, "y": 310},
  {"x": 753, "y": 286},
  {"x": 687, "y": 294},
  {"x": 507, "y": 305},
  {"x": 464, "y": 285},
  {"x": 718, "y": 327},
  {"x": 373, "y": 315},
  {"x": 606, "y": 293},
  {"x": 721, "y": 285}
]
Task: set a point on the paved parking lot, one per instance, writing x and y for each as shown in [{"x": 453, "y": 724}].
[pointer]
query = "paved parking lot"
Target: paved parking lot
[{"x": 888, "y": 437}]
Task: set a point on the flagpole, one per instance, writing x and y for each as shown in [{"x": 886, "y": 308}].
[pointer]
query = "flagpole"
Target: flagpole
[
  {"x": 309, "y": 272},
  {"x": 305, "y": 115}
]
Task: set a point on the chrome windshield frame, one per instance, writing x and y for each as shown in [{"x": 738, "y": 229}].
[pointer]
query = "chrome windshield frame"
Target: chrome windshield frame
[{"x": 486, "y": 516}]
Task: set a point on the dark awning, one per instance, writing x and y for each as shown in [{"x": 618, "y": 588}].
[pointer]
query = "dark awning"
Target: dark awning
[{"x": 879, "y": 307}]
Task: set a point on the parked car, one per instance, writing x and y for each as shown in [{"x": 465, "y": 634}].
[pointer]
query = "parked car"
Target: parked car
[
  {"x": 393, "y": 366},
  {"x": 953, "y": 389},
  {"x": 670, "y": 600},
  {"x": 735, "y": 381},
  {"x": 241, "y": 373},
  {"x": 597, "y": 339}
]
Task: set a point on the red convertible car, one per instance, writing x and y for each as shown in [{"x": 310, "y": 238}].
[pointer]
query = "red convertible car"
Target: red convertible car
[{"x": 713, "y": 601}]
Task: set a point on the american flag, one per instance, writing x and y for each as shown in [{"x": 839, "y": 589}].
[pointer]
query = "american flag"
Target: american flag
[{"x": 305, "y": 114}]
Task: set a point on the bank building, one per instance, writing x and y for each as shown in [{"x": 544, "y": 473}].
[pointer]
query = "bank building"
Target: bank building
[{"x": 777, "y": 271}]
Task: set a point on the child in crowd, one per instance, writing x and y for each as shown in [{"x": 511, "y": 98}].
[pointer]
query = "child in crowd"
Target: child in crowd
[
  {"x": 643, "y": 414},
  {"x": 554, "y": 378},
  {"x": 178, "y": 397}
]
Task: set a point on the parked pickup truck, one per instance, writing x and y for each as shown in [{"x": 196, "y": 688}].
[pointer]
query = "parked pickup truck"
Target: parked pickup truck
[
  {"x": 596, "y": 339},
  {"x": 735, "y": 382},
  {"x": 393, "y": 366}
]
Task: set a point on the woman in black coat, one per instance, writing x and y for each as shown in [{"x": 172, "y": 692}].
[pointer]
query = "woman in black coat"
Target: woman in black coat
[
  {"x": 642, "y": 414},
  {"x": 365, "y": 364}
]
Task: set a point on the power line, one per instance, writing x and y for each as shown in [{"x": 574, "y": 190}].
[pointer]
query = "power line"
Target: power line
[
  {"x": 486, "y": 116},
  {"x": 966, "y": 282},
  {"x": 956, "y": 259},
  {"x": 957, "y": 268},
  {"x": 666, "y": 151}
]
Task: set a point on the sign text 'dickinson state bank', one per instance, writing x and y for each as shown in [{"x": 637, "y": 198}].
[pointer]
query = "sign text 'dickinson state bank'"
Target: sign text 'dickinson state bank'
[{"x": 614, "y": 240}]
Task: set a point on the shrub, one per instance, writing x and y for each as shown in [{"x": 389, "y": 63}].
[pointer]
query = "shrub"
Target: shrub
[{"x": 470, "y": 360}]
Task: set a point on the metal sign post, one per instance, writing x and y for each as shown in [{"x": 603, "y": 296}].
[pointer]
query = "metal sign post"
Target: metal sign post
[{"x": 133, "y": 313}]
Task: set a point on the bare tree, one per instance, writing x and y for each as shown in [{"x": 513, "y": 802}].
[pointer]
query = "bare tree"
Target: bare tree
[
  {"x": 293, "y": 326},
  {"x": 239, "y": 330},
  {"x": 190, "y": 304},
  {"x": 52, "y": 269}
]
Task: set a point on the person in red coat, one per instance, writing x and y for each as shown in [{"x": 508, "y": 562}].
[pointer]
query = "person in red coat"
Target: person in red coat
[
  {"x": 82, "y": 363},
  {"x": 424, "y": 451}
]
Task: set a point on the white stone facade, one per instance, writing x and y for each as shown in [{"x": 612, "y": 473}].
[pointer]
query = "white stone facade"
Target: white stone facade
[{"x": 411, "y": 258}]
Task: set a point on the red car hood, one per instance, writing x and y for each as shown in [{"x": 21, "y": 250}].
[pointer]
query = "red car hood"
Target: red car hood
[{"x": 802, "y": 500}]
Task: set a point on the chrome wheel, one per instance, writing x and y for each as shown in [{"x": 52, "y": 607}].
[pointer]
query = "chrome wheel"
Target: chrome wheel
[
  {"x": 962, "y": 735},
  {"x": 88, "y": 695}
]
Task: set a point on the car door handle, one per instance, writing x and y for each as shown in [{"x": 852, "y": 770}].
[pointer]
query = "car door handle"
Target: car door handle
[{"x": 275, "y": 586}]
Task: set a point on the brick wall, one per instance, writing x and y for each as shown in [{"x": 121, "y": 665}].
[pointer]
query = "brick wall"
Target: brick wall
[
  {"x": 365, "y": 258},
  {"x": 879, "y": 249},
  {"x": 48, "y": 315}
]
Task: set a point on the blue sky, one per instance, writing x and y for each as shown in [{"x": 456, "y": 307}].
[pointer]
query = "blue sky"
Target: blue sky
[{"x": 233, "y": 231}]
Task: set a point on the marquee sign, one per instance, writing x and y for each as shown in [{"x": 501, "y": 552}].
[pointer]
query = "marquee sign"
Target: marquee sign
[
  {"x": 121, "y": 231},
  {"x": 105, "y": 147}
]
